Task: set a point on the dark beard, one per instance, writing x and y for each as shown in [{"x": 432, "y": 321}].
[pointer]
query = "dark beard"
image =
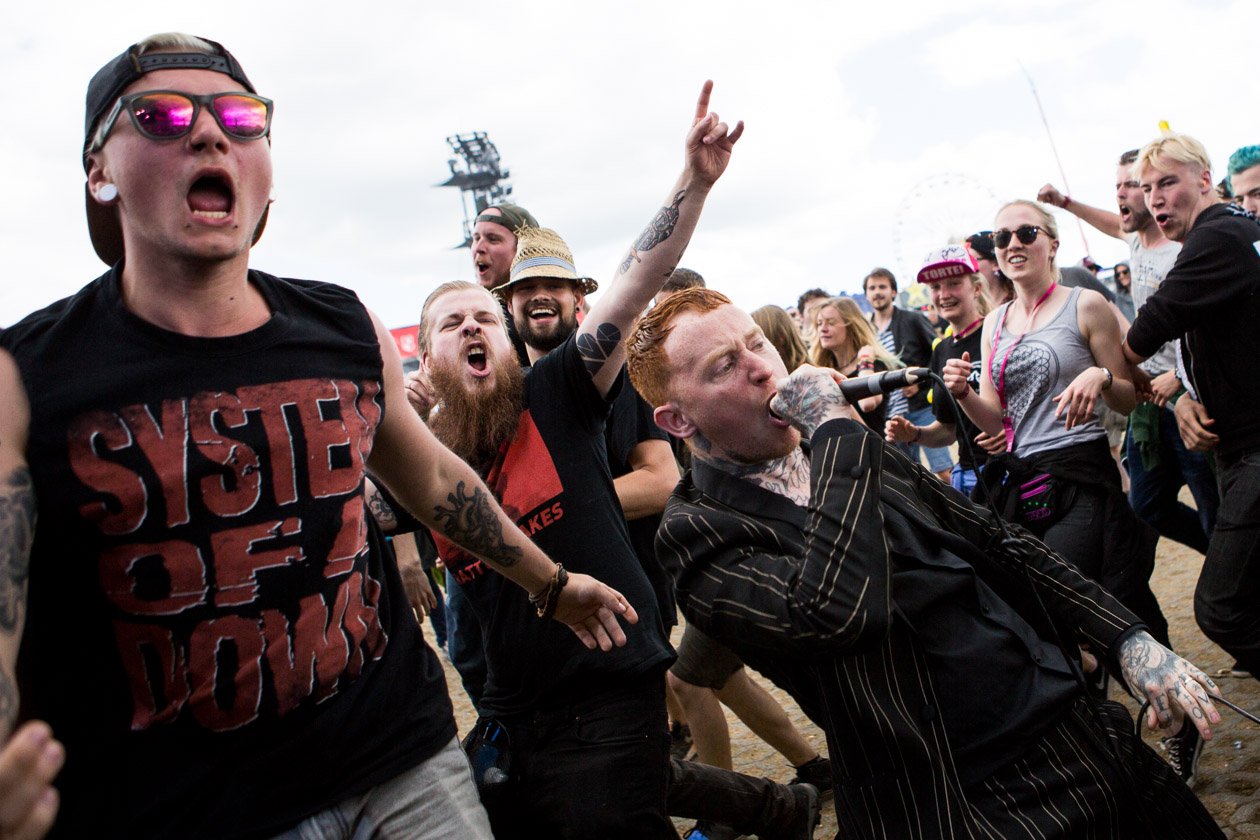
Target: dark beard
[
  {"x": 475, "y": 424},
  {"x": 546, "y": 342}
]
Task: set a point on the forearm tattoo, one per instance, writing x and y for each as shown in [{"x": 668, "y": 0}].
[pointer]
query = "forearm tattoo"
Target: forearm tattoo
[
  {"x": 17, "y": 530},
  {"x": 595, "y": 347},
  {"x": 806, "y": 403},
  {"x": 8, "y": 704},
  {"x": 381, "y": 510},
  {"x": 657, "y": 231},
  {"x": 472, "y": 522}
]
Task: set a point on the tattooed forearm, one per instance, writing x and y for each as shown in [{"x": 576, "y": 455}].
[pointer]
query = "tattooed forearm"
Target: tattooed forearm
[
  {"x": 595, "y": 347},
  {"x": 657, "y": 231},
  {"x": 17, "y": 530},
  {"x": 380, "y": 509},
  {"x": 473, "y": 522},
  {"x": 8, "y": 704}
]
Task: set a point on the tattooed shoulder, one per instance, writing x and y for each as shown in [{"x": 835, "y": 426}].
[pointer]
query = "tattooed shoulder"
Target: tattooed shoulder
[{"x": 17, "y": 532}]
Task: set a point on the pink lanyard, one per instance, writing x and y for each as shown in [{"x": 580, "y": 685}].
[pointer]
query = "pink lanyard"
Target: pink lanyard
[{"x": 1008, "y": 427}]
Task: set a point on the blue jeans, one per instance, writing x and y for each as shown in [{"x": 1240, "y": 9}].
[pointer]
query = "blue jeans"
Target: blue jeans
[
  {"x": 436, "y": 798},
  {"x": 938, "y": 458},
  {"x": 1227, "y": 599},
  {"x": 963, "y": 480},
  {"x": 1153, "y": 493}
]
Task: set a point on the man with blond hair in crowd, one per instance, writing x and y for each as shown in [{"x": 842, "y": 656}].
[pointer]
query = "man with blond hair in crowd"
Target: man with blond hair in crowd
[{"x": 1209, "y": 302}]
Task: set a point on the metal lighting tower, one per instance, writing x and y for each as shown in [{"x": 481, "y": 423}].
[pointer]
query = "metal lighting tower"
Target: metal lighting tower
[{"x": 476, "y": 171}]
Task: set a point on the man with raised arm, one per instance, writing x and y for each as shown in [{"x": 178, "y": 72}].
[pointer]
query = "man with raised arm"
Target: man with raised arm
[
  {"x": 903, "y": 619},
  {"x": 212, "y": 626},
  {"x": 588, "y": 747}
]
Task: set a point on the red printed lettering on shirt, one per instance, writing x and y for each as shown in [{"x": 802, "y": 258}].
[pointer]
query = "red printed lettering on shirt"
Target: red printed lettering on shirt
[
  {"x": 236, "y": 490},
  {"x": 88, "y": 441},
  {"x": 238, "y": 558},
  {"x": 164, "y": 441},
  {"x": 153, "y": 578},
  {"x": 156, "y": 669},
  {"x": 224, "y": 664}
]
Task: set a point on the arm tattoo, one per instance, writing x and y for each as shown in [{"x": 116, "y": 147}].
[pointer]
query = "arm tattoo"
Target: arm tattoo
[
  {"x": 17, "y": 531},
  {"x": 595, "y": 347},
  {"x": 381, "y": 510},
  {"x": 806, "y": 403},
  {"x": 657, "y": 231},
  {"x": 8, "y": 703},
  {"x": 473, "y": 523}
]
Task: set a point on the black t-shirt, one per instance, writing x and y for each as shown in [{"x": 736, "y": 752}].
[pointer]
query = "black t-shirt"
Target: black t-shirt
[
  {"x": 552, "y": 478},
  {"x": 213, "y": 630},
  {"x": 945, "y": 350},
  {"x": 630, "y": 423}
]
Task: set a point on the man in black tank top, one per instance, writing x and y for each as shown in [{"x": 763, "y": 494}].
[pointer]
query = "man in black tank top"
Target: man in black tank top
[{"x": 212, "y": 627}]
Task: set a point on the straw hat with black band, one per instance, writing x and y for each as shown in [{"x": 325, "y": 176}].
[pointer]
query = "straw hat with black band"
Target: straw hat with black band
[
  {"x": 541, "y": 253},
  {"x": 103, "y": 91}
]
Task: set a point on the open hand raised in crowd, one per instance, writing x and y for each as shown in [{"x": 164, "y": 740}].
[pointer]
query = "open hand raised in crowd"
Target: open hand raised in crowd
[{"x": 710, "y": 141}]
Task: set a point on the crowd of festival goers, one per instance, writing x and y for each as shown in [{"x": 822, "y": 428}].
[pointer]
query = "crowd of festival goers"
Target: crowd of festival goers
[{"x": 610, "y": 508}]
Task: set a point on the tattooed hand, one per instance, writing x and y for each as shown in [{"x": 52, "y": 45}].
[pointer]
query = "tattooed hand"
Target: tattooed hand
[
  {"x": 591, "y": 609},
  {"x": 1174, "y": 687},
  {"x": 709, "y": 143},
  {"x": 809, "y": 397}
]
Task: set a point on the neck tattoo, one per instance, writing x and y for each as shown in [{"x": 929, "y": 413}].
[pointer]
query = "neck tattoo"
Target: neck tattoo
[{"x": 788, "y": 476}]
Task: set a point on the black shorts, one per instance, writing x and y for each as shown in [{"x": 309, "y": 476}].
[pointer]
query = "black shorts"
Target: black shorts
[{"x": 704, "y": 661}]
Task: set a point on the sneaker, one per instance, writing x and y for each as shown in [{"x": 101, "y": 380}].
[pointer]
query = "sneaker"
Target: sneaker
[
  {"x": 705, "y": 830},
  {"x": 1183, "y": 751},
  {"x": 808, "y": 812},
  {"x": 679, "y": 740},
  {"x": 816, "y": 772}
]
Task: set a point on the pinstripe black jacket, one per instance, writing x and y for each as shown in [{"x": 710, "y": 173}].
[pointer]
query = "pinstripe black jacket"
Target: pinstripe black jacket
[{"x": 805, "y": 597}]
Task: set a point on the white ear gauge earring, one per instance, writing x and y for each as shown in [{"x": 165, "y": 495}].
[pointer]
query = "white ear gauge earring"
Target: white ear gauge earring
[{"x": 107, "y": 193}]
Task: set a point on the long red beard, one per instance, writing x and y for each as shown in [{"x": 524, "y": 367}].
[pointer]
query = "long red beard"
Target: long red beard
[{"x": 475, "y": 423}]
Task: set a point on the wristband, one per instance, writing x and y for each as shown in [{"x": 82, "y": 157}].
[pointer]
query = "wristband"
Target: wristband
[
  {"x": 546, "y": 601},
  {"x": 1107, "y": 385},
  {"x": 918, "y": 433}
]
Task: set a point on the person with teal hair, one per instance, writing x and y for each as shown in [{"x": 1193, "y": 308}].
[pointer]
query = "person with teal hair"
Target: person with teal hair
[{"x": 1244, "y": 178}]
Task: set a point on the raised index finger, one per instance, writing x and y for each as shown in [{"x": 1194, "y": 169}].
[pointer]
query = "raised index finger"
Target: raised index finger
[{"x": 702, "y": 105}]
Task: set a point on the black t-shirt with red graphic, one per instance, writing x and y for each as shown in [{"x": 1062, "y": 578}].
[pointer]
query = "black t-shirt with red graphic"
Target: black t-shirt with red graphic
[
  {"x": 214, "y": 631},
  {"x": 553, "y": 480}
]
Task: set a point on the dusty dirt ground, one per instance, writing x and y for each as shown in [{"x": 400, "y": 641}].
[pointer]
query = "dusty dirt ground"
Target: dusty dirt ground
[{"x": 1229, "y": 771}]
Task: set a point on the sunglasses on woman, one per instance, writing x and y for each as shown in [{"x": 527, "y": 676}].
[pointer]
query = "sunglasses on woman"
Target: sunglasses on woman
[
  {"x": 1026, "y": 234},
  {"x": 167, "y": 114}
]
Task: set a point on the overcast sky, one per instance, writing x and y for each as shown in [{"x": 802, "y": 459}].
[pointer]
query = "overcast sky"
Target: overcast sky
[{"x": 871, "y": 136}]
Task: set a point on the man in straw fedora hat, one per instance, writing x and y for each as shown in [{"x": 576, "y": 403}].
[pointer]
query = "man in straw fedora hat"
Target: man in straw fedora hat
[{"x": 589, "y": 752}]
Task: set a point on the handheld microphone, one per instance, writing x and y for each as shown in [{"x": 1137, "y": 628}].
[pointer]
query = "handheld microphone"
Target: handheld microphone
[{"x": 881, "y": 383}]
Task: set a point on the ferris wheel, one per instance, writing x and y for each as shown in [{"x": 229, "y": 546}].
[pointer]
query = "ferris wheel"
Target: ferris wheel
[{"x": 937, "y": 211}]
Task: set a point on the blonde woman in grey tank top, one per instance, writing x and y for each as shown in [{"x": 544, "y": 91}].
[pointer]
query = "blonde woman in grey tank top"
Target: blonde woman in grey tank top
[
  {"x": 1050, "y": 356},
  {"x": 1041, "y": 408}
]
